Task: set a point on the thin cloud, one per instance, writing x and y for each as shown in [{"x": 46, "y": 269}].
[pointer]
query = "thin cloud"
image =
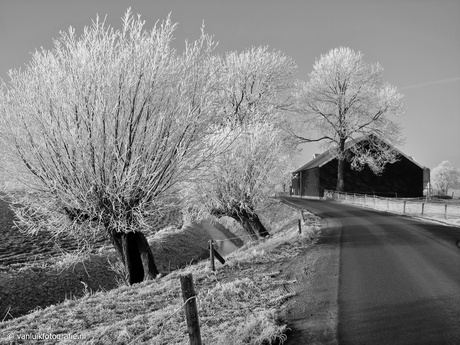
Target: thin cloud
[{"x": 429, "y": 83}]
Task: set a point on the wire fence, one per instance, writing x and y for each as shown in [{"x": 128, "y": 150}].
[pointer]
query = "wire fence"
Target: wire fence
[{"x": 430, "y": 208}]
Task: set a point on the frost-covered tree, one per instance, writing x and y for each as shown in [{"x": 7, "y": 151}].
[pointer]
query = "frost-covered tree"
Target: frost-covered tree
[
  {"x": 445, "y": 177},
  {"x": 104, "y": 127},
  {"x": 239, "y": 183},
  {"x": 345, "y": 99},
  {"x": 255, "y": 92},
  {"x": 256, "y": 85}
]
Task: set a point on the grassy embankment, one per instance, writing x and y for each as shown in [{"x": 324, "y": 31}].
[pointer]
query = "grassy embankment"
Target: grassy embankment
[{"x": 239, "y": 303}]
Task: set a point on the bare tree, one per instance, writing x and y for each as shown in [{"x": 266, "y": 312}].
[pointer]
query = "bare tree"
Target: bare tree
[
  {"x": 105, "y": 126},
  {"x": 255, "y": 92},
  {"x": 347, "y": 98},
  {"x": 445, "y": 177}
]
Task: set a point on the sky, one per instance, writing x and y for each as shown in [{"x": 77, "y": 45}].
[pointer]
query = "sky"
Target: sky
[{"x": 416, "y": 41}]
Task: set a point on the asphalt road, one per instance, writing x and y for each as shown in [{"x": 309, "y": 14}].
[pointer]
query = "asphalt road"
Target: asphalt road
[{"x": 399, "y": 278}]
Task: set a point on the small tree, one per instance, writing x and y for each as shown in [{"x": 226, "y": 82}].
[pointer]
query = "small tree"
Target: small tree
[
  {"x": 239, "y": 183},
  {"x": 105, "y": 126},
  {"x": 445, "y": 177},
  {"x": 346, "y": 98},
  {"x": 255, "y": 91}
]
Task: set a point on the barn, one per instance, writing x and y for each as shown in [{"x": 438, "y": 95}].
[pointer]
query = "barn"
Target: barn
[{"x": 404, "y": 178}]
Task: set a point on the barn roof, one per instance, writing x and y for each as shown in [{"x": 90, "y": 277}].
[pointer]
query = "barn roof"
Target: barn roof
[{"x": 329, "y": 155}]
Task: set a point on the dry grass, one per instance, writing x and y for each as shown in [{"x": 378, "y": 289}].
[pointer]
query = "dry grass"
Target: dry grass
[{"x": 238, "y": 304}]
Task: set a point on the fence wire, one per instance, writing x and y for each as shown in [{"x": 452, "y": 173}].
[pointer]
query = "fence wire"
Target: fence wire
[{"x": 420, "y": 206}]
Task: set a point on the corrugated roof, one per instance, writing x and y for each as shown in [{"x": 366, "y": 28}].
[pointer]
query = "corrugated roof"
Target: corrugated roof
[{"x": 329, "y": 155}]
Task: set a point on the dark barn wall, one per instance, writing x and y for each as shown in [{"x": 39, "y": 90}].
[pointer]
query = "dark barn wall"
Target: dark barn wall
[
  {"x": 401, "y": 179},
  {"x": 306, "y": 182},
  {"x": 310, "y": 182}
]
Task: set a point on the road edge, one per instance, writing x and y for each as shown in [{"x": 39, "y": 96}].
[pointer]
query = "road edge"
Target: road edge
[{"x": 312, "y": 315}]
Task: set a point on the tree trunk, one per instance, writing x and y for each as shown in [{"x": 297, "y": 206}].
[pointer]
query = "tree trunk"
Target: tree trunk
[
  {"x": 341, "y": 158},
  {"x": 340, "y": 182},
  {"x": 252, "y": 224},
  {"x": 136, "y": 255}
]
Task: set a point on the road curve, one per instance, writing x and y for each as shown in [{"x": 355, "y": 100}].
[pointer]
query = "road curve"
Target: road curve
[{"x": 399, "y": 279}]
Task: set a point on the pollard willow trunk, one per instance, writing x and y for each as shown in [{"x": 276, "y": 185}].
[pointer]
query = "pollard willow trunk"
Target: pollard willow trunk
[
  {"x": 252, "y": 224},
  {"x": 135, "y": 254}
]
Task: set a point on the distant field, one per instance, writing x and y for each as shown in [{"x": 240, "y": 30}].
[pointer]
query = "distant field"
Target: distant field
[{"x": 18, "y": 248}]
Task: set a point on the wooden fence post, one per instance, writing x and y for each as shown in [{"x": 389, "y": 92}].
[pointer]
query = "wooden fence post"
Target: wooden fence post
[
  {"x": 404, "y": 209},
  {"x": 214, "y": 254},
  {"x": 211, "y": 256},
  {"x": 300, "y": 227},
  {"x": 423, "y": 207},
  {"x": 191, "y": 311},
  {"x": 445, "y": 211},
  {"x": 218, "y": 256}
]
